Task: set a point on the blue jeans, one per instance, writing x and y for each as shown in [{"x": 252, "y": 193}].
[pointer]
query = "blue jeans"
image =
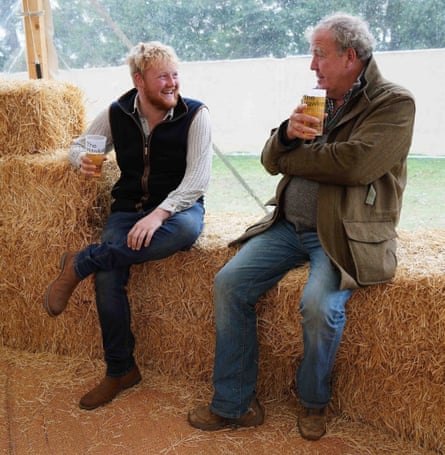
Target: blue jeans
[
  {"x": 111, "y": 261},
  {"x": 259, "y": 265}
]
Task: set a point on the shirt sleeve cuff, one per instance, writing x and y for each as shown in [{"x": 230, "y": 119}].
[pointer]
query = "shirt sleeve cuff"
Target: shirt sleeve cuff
[{"x": 168, "y": 205}]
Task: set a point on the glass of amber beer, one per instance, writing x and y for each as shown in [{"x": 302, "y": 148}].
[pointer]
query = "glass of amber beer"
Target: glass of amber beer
[
  {"x": 315, "y": 100},
  {"x": 95, "y": 147}
]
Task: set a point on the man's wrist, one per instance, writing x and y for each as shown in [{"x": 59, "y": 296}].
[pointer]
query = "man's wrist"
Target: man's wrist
[{"x": 283, "y": 138}]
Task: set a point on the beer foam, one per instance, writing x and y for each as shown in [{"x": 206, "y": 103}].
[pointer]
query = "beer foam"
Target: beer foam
[{"x": 317, "y": 92}]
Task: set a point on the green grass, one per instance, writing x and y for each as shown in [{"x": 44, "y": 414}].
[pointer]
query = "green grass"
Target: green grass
[{"x": 423, "y": 206}]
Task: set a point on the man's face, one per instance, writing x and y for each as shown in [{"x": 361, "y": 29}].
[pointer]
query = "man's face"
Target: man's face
[
  {"x": 160, "y": 85},
  {"x": 331, "y": 69}
]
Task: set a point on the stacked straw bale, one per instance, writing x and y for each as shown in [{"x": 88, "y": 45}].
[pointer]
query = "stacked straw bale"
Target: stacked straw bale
[
  {"x": 391, "y": 366},
  {"x": 38, "y": 116},
  {"x": 390, "y": 370},
  {"x": 45, "y": 207}
]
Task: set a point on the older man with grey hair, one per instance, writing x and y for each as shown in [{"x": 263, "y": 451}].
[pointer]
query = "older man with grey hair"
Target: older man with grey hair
[{"x": 337, "y": 206}]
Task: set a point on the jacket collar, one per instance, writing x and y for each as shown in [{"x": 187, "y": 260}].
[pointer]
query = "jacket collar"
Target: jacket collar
[{"x": 370, "y": 77}]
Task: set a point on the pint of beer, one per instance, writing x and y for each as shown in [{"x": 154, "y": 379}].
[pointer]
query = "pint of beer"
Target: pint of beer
[
  {"x": 315, "y": 100},
  {"x": 95, "y": 147}
]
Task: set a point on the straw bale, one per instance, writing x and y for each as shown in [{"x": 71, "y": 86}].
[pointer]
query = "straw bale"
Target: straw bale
[
  {"x": 391, "y": 361},
  {"x": 37, "y": 116},
  {"x": 46, "y": 207},
  {"x": 390, "y": 370},
  {"x": 391, "y": 367}
]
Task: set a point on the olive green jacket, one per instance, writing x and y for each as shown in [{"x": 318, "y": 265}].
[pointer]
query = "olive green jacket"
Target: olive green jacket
[{"x": 361, "y": 171}]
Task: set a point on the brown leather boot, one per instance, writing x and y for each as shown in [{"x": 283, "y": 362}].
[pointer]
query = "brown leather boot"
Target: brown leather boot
[
  {"x": 60, "y": 290},
  {"x": 108, "y": 388},
  {"x": 312, "y": 424},
  {"x": 204, "y": 419}
]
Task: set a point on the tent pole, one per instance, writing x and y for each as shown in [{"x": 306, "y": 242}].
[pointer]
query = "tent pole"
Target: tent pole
[{"x": 36, "y": 50}]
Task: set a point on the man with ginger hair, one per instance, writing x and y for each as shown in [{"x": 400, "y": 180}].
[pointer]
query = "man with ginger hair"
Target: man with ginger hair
[
  {"x": 164, "y": 152},
  {"x": 337, "y": 206}
]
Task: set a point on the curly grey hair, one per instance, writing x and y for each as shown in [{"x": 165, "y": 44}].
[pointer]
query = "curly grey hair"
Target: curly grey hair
[{"x": 349, "y": 31}]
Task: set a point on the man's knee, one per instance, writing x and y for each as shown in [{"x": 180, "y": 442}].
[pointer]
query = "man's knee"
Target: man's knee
[
  {"x": 318, "y": 312},
  {"x": 220, "y": 280}
]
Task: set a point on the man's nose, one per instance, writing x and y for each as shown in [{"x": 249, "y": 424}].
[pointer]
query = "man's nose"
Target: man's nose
[
  {"x": 171, "y": 80},
  {"x": 314, "y": 65}
]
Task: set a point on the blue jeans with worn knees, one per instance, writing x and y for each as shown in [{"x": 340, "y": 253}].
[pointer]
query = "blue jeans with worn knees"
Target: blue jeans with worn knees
[
  {"x": 260, "y": 264},
  {"x": 111, "y": 261}
]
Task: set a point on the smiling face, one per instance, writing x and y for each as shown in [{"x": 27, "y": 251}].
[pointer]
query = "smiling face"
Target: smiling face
[
  {"x": 158, "y": 85},
  {"x": 336, "y": 71}
]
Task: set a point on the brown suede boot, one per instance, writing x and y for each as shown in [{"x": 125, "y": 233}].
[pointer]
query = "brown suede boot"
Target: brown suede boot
[
  {"x": 60, "y": 290},
  {"x": 312, "y": 424},
  {"x": 204, "y": 419},
  {"x": 108, "y": 388}
]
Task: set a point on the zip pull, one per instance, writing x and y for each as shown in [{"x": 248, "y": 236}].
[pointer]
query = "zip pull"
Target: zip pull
[
  {"x": 146, "y": 145},
  {"x": 371, "y": 196}
]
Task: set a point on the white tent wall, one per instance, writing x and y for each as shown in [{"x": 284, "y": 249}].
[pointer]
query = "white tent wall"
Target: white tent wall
[{"x": 249, "y": 97}]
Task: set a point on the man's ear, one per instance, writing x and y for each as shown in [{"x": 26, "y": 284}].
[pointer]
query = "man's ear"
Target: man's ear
[
  {"x": 351, "y": 56},
  {"x": 138, "y": 80}
]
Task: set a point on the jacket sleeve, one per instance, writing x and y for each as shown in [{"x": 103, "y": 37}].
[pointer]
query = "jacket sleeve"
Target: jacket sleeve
[
  {"x": 362, "y": 149},
  {"x": 276, "y": 146}
]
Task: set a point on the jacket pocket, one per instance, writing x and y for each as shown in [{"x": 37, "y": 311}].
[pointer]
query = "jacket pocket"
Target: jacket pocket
[{"x": 373, "y": 248}]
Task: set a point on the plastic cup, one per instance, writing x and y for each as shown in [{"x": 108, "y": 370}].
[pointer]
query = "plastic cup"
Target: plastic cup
[
  {"x": 95, "y": 147},
  {"x": 315, "y": 99}
]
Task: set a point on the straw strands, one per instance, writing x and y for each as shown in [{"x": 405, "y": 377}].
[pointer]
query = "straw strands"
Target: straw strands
[
  {"x": 391, "y": 359},
  {"x": 40, "y": 394},
  {"x": 38, "y": 116},
  {"x": 391, "y": 366},
  {"x": 46, "y": 207},
  {"x": 390, "y": 370}
]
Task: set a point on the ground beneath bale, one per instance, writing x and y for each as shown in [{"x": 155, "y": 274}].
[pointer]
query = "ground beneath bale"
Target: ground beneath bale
[{"x": 39, "y": 415}]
